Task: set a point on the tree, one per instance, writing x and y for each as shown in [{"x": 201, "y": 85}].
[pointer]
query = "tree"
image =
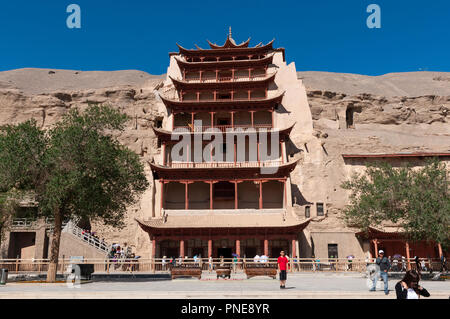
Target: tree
[
  {"x": 415, "y": 199},
  {"x": 7, "y": 209},
  {"x": 77, "y": 169}
]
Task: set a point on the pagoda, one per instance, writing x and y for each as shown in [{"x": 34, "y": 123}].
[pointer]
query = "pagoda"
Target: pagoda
[{"x": 209, "y": 205}]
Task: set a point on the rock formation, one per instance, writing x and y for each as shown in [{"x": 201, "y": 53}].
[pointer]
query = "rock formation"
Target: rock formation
[{"x": 402, "y": 112}]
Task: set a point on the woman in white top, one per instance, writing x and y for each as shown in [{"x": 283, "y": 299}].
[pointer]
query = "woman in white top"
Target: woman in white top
[{"x": 409, "y": 288}]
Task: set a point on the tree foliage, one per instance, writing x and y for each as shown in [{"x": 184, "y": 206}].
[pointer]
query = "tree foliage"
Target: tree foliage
[
  {"x": 417, "y": 199},
  {"x": 77, "y": 168}
]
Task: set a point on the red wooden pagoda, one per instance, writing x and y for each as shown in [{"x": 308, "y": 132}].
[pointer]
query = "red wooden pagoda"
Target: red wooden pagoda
[{"x": 218, "y": 207}]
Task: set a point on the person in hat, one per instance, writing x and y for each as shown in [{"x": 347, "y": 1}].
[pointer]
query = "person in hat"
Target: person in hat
[{"x": 383, "y": 262}]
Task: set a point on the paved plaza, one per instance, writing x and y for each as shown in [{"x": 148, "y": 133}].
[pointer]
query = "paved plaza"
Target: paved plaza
[{"x": 336, "y": 286}]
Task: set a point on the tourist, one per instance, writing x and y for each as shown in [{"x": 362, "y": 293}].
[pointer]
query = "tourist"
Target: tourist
[
  {"x": 383, "y": 263},
  {"x": 443, "y": 263},
  {"x": 403, "y": 263},
  {"x": 222, "y": 261},
  {"x": 210, "y": 263},
  {"x": 416, "y": 260},
  {"x": 235, "y": 261},
  {"x": 164, "y": 263},
  {"x": 263, "y": 259},
  {"x": 317, "y": 261},
  {"x": 180, "y": 260},
  {"x": 195, "y": 259},
  {"x": 409, "y": 288},
  {"x": 395, "y": 264},
  {"x": 282, "y": 267},
  {"x": 256, "y": 259},
  {"x": 423, "y": 265}
]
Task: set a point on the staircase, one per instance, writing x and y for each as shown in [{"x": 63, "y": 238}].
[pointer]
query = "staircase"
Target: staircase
[{"x": 76, "y": 231}]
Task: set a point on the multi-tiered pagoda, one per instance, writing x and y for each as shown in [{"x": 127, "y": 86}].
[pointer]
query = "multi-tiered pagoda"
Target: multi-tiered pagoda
[{"x": 218, "y": 206}]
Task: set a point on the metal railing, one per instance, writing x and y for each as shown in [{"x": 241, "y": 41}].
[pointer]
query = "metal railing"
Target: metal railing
[
  {"x": 89, "y": 239},
  {"x": 117, "y": 265},
  {"x": 224, "y": 164}
]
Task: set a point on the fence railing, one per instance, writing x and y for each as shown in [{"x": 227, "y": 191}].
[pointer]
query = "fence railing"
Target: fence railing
[
  {"x": 111, "y": 265},
  {"x": 224, "y": 128},
  {"x": 71, "y": 228},
  {"x": 224, "y": 164},
  {"x": 237, "y": 78}
]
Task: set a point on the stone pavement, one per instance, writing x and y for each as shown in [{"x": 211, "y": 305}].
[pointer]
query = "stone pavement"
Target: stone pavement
[{"x": 326, "y": 285}]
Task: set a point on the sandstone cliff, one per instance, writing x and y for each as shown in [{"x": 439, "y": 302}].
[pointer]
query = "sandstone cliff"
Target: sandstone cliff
[{"x": 400, "y": 112}]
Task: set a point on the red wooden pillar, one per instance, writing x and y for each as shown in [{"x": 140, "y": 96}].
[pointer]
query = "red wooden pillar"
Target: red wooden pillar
[
  {"x": 407, "y": 255},
  {"x": 293, "y": 248},
  {"x": 173, "y": 121},
  {"x": 181, "y": 95},
  {"x": 210, "y": 195},
  {"x": 201, "y": 72},
  {"x": 209, "y": 248},
  {"x": 260, "y": 195},
  {"x": 232, "y": 95},
  {"x": 186, "y": 196},
  {"x": 235, "y": 195},
  {"x": 217, "y": 73},
  {"x": 249, "y": 94},
  {"x": 257, "y": 146},
  {"x": 215, "y": 95},
  {"x": 273, "y": 122},
  {"x": 182, "y": 248},
  {"x": 153, "y": 247},
  {"x": 232, "y": 119},
  {"x": 162, "y": 193},
  {"x": 282, "y": 152},
  {"x": 232, "y": 73},
  {"x": 212, "y": 119},
  {"x": 235, "y": 154},
  {"x": 375, "y": 245},
  {"x": 285, "y": 193},
  {"x": 198, "y": 96},
  {"x": 238, "y": 247},
  {"x": 266, "y": 247},
  {"x": 251, "y": 117},
  {"x": 163, "y": 150},
  {"x": 192, "y": 120},
  {"x": 440, "y": 250}
]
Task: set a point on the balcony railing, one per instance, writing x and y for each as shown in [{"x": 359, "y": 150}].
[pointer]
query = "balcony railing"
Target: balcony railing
[
  {"x": 224, "y": 128},
  {"x": 237, "y": 78},
  {"x": 224, "y": 164}
]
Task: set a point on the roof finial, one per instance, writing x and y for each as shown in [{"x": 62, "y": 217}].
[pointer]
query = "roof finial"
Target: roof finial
[{"x": 229, "y": 33}]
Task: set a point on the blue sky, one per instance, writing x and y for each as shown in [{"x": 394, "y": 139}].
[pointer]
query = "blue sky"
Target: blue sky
[{"x": 319, "y": 35}]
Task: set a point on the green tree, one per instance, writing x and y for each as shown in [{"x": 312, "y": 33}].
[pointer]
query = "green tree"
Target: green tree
[
  {"x": 77, "y": 169},
  {"x": 415, "y": 199}
]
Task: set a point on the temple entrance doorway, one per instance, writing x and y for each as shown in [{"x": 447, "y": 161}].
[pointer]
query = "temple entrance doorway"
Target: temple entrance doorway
[{"x": 225, "y": 252}]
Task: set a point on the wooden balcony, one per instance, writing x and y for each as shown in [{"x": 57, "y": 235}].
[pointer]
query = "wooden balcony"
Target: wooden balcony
[
  {"x": 225, "y": 128},
  {"x": 275, "y": 163}
]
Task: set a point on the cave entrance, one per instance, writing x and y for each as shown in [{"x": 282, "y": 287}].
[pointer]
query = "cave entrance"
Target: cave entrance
[{"x": 349, "y": 117}]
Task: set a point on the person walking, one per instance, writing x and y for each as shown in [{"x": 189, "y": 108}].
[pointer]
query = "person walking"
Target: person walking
[
  {"x": 409, "y": 288},
  {"x": 416, "y": 260},
  {"x": 383, "y": 262},
  {"x": 282, "y": 267},
  {"x": 443, "y": 263},
  {"x": 210, "y": 263}
]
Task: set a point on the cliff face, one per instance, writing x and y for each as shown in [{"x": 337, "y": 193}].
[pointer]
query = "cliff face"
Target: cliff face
[{"x": 351, "y": 114}]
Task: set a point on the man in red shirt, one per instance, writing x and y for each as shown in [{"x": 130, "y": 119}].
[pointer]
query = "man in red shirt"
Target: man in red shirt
[{"x": 282, "y": 267}]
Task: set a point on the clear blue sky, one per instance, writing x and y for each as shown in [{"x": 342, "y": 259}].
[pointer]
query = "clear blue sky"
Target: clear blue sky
[{"x": 319, "y": 35}]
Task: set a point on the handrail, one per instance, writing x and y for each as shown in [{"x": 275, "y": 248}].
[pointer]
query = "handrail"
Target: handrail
[
  {"x": 86, "y": 237},
  {"x": 220, "y": 79},
  {"x": 224, "y": 164},
  {"x": 224, "y": 128}
]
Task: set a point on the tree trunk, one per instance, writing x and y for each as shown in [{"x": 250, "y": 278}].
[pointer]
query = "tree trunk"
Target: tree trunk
[{"x": 54, "y": 250}]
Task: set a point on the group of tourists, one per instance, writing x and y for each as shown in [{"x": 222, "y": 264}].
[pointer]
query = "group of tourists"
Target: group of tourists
[
  {"x": 89, "y": 236},
  {"x": 408, "y": 287}
]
